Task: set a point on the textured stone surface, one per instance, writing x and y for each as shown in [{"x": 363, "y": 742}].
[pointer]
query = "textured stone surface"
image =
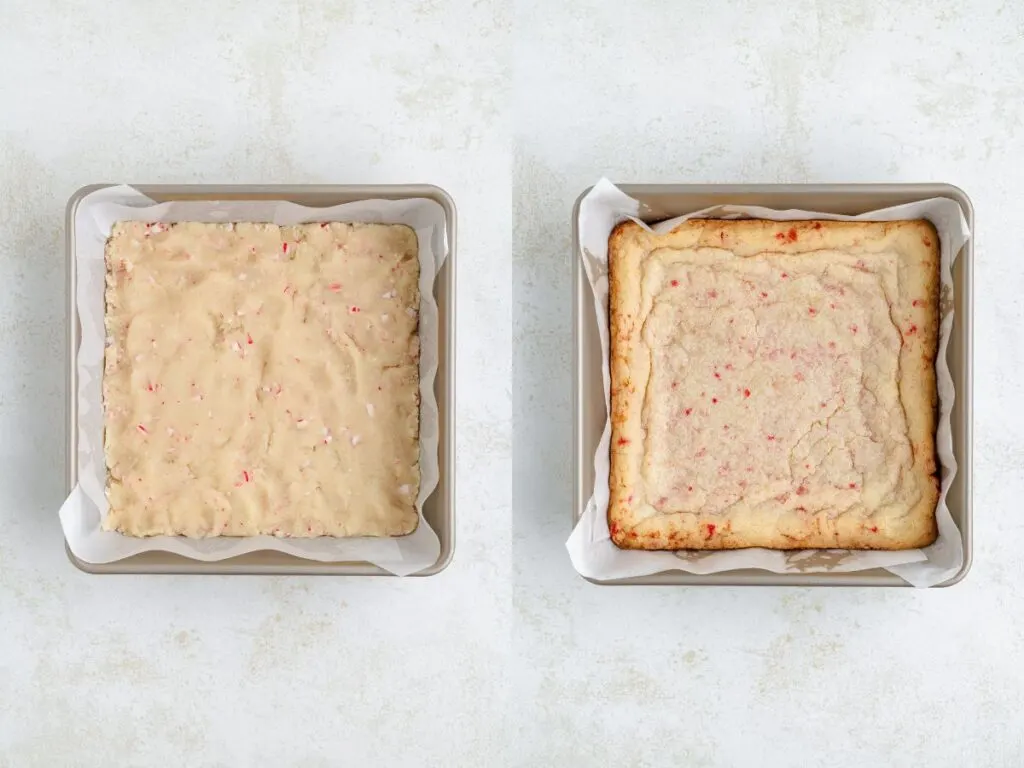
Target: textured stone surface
[{"x": 507, "y": 658}]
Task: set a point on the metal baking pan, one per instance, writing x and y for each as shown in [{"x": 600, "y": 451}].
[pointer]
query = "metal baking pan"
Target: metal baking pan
[
  {"x": 439, "y": 509},
  {"x": 666, "y": 201}
]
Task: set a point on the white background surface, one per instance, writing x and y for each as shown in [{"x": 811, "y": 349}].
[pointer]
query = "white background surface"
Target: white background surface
[{"x": 507, "y": 658}]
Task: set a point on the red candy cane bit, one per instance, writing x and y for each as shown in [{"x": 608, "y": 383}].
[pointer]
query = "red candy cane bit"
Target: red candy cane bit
[
  {"x": 284, "y": 247},
  {"x": 728, "y": 366},
  {"x": 873, "y": 529},
  {"x": 853, "y": 485},
  {"x": 675, "y": 283},
  {"x": 853, "y": 328},
  {"x": 623, "y": 441},
  {"x": 746, "y": 393},
  {"x": 245, "y": 475},
  {"x": 711, "y": 529},
  {"x": 817, "y": 225},
  {"x": 917, "y": 303},
  {"x": 791, "y": 235},
  {"x": 142, "y": 429},
  {"x": 801, "y": 491},
  {"x": 812, "y": 311},
  {"x": 764, "y": 295},
  {"x": 780, "y": 235},
  {"x": 248, "y": 338},
  {"x": 714, "y": 400},
  {"x": 689, "y": 488},
  {"x": 324, "y": 225},
  {"x": 771, "y": 438},
  {"x": 712, "y": 294},
  {"x": 334, "y": 287},
  {"x": 831, "y": 305},
  {"x": 688, "y": 411},
  {"x": 718, "y": 375},
  {"x": 784, "y": 275},
  {"x": 911, "y": 330},
  {"x": 354, "y": 309},
  {"x": 675, "y": 384}
]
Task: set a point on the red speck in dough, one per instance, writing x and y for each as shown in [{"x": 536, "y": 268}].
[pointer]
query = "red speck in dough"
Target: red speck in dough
[
  {"x": 917, "y": 302},
  {"x": 711, "y": 530},
  {"x": 334, "y": 287},
  {"x": 714, "y": 399},
  {"x": 812, "y": 311},
  {"x": 689, "y": 488},
  {"x": 675, "y": 384},
  {"x": 688, "y": 411},
  {"x": 746, "y": 393},
  {"x": 817, "y": 225},
  {"x": 771, "y": 438},
  {"x": 324, "y": 225},
  {"x": 248, "y": 338},
  {"x": 712, "y": 294},
  {"x": 142, "y": 429},
  {"x": 764, "y": 295},
  {"x": 853, "y": 328},
  {"x": 801, "y": 490},
  {"x": 728, "y": 366},
  {"x": 784, "y": 275},
  {"x": 791, "y": 235},
  {"x": 718, "y": 375},
  {"x": 354, "y": 310},
  {"x": 623, "y": 441},
  {"x": 874, "y": 529},
  {"x": 675, "y": 283},
  {"x": 798, "y": 376},
  {"x": 853, "y": 485},
  {"x": 911, "y": 330},
  {"x": 780, "y": 236},
  {"x": 284, "y": 247},
  {"x": 831, "y": 345}
]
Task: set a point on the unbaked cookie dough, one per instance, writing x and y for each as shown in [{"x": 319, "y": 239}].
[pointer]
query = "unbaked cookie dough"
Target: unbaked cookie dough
[{"x": 262, "y": 379}]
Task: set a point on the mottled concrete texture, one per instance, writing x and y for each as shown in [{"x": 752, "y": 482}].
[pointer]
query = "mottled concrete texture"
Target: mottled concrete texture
[{"x": 508, "y": 658}]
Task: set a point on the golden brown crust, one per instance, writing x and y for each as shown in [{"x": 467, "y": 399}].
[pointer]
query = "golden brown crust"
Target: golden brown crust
[{"x": 634, "y": 522}]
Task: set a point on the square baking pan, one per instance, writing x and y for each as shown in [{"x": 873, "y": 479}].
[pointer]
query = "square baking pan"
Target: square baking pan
[
  {"x": 665, "y": 201},
  {"x": 439, "y": 508}
]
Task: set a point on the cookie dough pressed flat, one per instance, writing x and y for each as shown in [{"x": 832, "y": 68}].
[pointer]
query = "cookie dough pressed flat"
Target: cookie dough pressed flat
[
  {"x": 773, "y": 385},
  {"x": 262, "y": 379}
]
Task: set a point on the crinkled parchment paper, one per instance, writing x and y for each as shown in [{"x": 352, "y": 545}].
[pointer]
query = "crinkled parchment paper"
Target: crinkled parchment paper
[
  {"x": 84, "y": 508},
  {"x": 590, "y": 546}
]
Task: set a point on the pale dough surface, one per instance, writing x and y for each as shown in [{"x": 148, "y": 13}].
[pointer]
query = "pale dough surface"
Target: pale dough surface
[
  {"x": 262, "y": 379},
  {"x": 773, "y": 385}
]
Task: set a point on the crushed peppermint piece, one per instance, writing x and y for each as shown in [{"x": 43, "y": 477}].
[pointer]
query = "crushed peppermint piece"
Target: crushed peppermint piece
[
  {"x": 356, "y": 439},
  {"x": 369, "y": 410}
]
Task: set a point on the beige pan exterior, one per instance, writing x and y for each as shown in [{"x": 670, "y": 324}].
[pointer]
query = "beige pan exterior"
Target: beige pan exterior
[
  {"x": 665, "y": 201},
  {"x": 439, "y": 509}
]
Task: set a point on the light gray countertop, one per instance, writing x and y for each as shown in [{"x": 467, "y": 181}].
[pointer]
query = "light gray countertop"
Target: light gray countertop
[{"x": 508, "y": 657}]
